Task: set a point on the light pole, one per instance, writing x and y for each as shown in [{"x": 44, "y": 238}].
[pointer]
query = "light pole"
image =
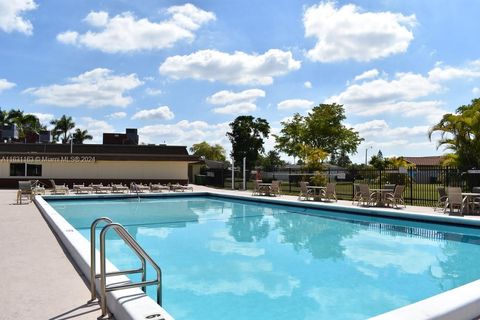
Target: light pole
[{"x": 366, "y": 154}]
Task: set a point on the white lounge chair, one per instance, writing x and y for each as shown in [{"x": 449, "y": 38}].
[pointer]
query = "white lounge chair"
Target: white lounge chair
[{"x": 58, "y": 189}]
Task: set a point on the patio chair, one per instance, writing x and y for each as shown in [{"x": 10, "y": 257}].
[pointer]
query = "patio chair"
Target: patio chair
[
  {"x": 357, "y": 195},
  {"x": 258, "y": 190},
  {"x": 81, "y": 188},
  {"x": 275, "y": 188},
  {"x": 100, "y": 188},
  {"x": 37, "y": 187},
  {"x": 157, "y": 187},
  {"x": 118, "y": 188},
  {"x": 58, "y": 189},
  {"x": 330, "y": 193},
  {"x": 454, "y": 200},
  {"x": 367, "y": 197},
  {"x": 442, "y": 198},
  {"x": 138, "y": 187},
  {"x": 24, "y": 190},
  {"x": 396, "y": 197},
  {"x": 304, "y": 191}
]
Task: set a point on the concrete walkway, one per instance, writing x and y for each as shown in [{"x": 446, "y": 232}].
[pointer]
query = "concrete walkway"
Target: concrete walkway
[{"x": 37, "y": 279}]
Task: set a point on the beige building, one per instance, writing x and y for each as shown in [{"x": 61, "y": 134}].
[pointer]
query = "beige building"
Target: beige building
[{"x": 90, "y": 163}]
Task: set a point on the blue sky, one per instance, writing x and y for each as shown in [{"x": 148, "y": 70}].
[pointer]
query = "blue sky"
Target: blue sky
[{"x": 181, "y": 71}]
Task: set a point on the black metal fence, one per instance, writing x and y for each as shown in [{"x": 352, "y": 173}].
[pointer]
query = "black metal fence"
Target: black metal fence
[{"x": 421, "y": 183}]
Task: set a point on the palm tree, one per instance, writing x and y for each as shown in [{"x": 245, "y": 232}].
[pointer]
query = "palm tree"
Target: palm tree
[
  {"x": 62, "y": 126},
  {"x": 26, "y": 123},
  {"x": 460, "y": 133},
  {"x": 79, "y": 136}
]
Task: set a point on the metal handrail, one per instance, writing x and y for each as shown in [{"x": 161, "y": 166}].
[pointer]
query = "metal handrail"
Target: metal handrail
[
  {"x": 93, "y": 268},
  {"x": 136, "y": 248}
]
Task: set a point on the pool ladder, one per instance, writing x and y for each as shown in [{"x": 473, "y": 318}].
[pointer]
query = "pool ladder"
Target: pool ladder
[{"x": 136, "y": 248}]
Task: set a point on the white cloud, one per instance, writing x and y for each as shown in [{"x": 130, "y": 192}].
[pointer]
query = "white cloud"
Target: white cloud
[
  {"x": 126, "y": 33},
  {"x": 446, "y": 73},
  {"x": 117, "y": 115},
  {"x": 236, "y": 68},
  {"x": 11, "y": 12},
  {"x": 97, "y": 19},
  {"x": 295, "y": 104},
  {"x": 476, "y": 90},
  {"x": 94, "y": 88},
  {"x": 307, "y": 84},
  {"x": 5, "y": 85},
  {"x": 236, "y": 102},
  {"x": 186, "y": 133},
  {"x": 399, "y": 95},
  {"x": 367, "y": 75},
  {"x": 349, "y": 33},
  {"x": 68, "y": 37},
  {"x": 380, "y": 128},
  {"x": 153, "y": 92},
  {"x": 163, "y": 113},
  {"x": 44, "y": 118},
  {"x": 95, "y": 127}
]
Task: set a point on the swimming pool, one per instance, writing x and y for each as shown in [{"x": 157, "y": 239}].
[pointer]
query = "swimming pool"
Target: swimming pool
[{"x": 232, "y": 259}]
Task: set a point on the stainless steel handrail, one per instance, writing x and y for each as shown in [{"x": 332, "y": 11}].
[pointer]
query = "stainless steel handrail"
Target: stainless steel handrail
[
  {"x": 136, "y": 248},
  {"x": 93, "y": 268}
]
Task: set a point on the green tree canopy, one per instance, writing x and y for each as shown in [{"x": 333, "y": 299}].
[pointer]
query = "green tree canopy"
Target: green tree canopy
[
  {"x": 322, "y": 129},
  {"x": 211, "y": 152},
  {"x": 62, "y": 126},
  {"x": 247, "y": 134},
  {"x": 460, "y": 134},
  {"x": 25, "y": 122},
  {"x": 79, "y": 136},
  {"x": 270, "y": 161}
]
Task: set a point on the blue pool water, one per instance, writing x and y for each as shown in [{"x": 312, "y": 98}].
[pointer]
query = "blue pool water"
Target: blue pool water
[{"x": 230, "y": 259}]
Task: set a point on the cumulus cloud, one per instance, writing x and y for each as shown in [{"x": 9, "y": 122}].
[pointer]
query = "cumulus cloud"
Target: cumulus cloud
[
  {"x": 163, "y": 113},
  {"x": 235, "y": 102},
  {"x": 367, "y": 75},
  {"x": 117, "y": 115},
  {"x": 94, "y": 88},
  {"x": 95, "y": 127},
  {"x": 5, "y": 84},
  {"x": 295, "y": 104},
  {"x": 349, "y": 33},
  {"x": 398, "y": 95},
  {"x": 185, "y": 133},
  {"x": 11, "y": 12},
  {"x": 237, "y": 68},
  {"x": 446, "y": 73},
  {"x": 126, "y": 33},
  {"x": 307, "y": 84},
  {"x": 380, "y": 128},
  {"x": 476, "y": 90}
]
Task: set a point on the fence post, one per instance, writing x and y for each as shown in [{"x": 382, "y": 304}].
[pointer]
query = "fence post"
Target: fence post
[
  {"x": 290, "y": 180},
  {"x": 410, "y": 174},
  {"x": 380, "y": 186}
]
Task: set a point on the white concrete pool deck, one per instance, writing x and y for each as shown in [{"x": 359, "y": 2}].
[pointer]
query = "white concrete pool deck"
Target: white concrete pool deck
[{"x": 37, "y": 277}]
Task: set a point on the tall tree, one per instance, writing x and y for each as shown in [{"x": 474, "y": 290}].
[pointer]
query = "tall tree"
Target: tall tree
[
  {"x": 211, "y": 152},
  {"x": 321, "y": 129},
  {"x": 460, "y": 134},
  {"x": 324, "y": 129},
  {"x": 247, "y": 134},
  {"x": 291, "y": 136},
  {"x": 80, "y": 136},
  {"x": 25, "y": 123},
  {"x": 62, "y": 126},
  {"x": 270, "y": 161}
]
